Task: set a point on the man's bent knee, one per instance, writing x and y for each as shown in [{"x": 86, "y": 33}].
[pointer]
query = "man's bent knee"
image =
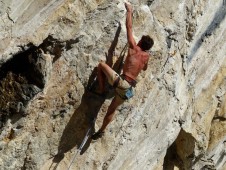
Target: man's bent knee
[{"x": 101, "y": 64}]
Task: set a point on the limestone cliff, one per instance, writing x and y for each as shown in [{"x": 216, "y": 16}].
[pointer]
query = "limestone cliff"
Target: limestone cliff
[{"x": 49, "y": 51}]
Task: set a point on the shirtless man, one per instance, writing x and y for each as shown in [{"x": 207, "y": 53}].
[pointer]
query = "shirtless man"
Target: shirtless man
[{"x": 136, "y": 60}]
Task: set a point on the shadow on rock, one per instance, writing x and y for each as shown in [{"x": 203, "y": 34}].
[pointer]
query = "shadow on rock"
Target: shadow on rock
[
  {"x": 79, "y": 124},
  {"x": 83, "y": 119}
]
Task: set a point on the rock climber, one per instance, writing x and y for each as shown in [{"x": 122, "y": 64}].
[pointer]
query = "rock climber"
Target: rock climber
[{"x": 136, "y": 60}]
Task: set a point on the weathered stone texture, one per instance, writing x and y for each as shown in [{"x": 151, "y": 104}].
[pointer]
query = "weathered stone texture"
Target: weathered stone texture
[{"x": 48, "y": 54}]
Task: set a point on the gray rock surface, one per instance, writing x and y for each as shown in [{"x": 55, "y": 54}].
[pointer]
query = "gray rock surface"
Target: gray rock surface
[{"x": 48, "y": 54}]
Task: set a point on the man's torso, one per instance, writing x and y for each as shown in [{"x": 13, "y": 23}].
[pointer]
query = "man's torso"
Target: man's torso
[{"x": 135, "y": 62}]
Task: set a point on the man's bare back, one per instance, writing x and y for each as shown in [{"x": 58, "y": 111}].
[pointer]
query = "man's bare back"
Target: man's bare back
[{"x": 136, "y": 61}]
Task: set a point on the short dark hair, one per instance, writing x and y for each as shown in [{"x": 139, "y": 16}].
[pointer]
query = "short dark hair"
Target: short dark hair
[{"x": 146, "y": 42}]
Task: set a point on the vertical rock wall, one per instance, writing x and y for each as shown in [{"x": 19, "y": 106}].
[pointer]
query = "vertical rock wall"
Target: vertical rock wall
[{"x": 48, "y": 54}]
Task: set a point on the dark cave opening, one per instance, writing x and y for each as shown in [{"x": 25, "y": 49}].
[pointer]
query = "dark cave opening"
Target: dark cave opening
[
  {"x": 172, "y": 159},
  {"x": 18, "y": 84},
  {"x": 181, "y": 153},
  {"x": 18, "y": 65},
  {"x": 25, "y": 74}
]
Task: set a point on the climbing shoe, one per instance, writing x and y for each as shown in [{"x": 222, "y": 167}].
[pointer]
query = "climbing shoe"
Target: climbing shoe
[{"x": 97, "y": 135}]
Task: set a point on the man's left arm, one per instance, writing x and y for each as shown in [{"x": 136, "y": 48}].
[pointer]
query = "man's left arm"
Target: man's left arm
[
  {"x": 145, "y": 66},
  {"x": 146, "y": 63}
]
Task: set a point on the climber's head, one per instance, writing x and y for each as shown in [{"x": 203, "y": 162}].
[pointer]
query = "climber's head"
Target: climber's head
[{"x": 146, "y": 42}]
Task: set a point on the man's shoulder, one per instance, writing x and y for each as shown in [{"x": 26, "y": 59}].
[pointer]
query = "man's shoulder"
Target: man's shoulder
[
  {"x": 138, "y": 51},
  {"x": 148, "y": 54},
  {"x": 145, "y": 54}
]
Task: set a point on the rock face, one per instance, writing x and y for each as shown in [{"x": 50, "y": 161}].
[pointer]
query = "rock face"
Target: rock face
[{"x": 48, "y": 56}]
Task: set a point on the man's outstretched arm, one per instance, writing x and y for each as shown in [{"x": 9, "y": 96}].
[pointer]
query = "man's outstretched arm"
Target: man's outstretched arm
[{"x": 131, "y": 41}]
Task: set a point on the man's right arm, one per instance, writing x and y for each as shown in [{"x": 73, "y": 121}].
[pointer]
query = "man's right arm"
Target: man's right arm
[{"x": 131, "y": 41}]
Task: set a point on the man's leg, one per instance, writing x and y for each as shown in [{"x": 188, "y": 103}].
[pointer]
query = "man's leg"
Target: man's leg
[
  {"x": 103, "y": 71},
  {"x": 110, "y": 112},
  {"x": 108, "y": 117}
]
